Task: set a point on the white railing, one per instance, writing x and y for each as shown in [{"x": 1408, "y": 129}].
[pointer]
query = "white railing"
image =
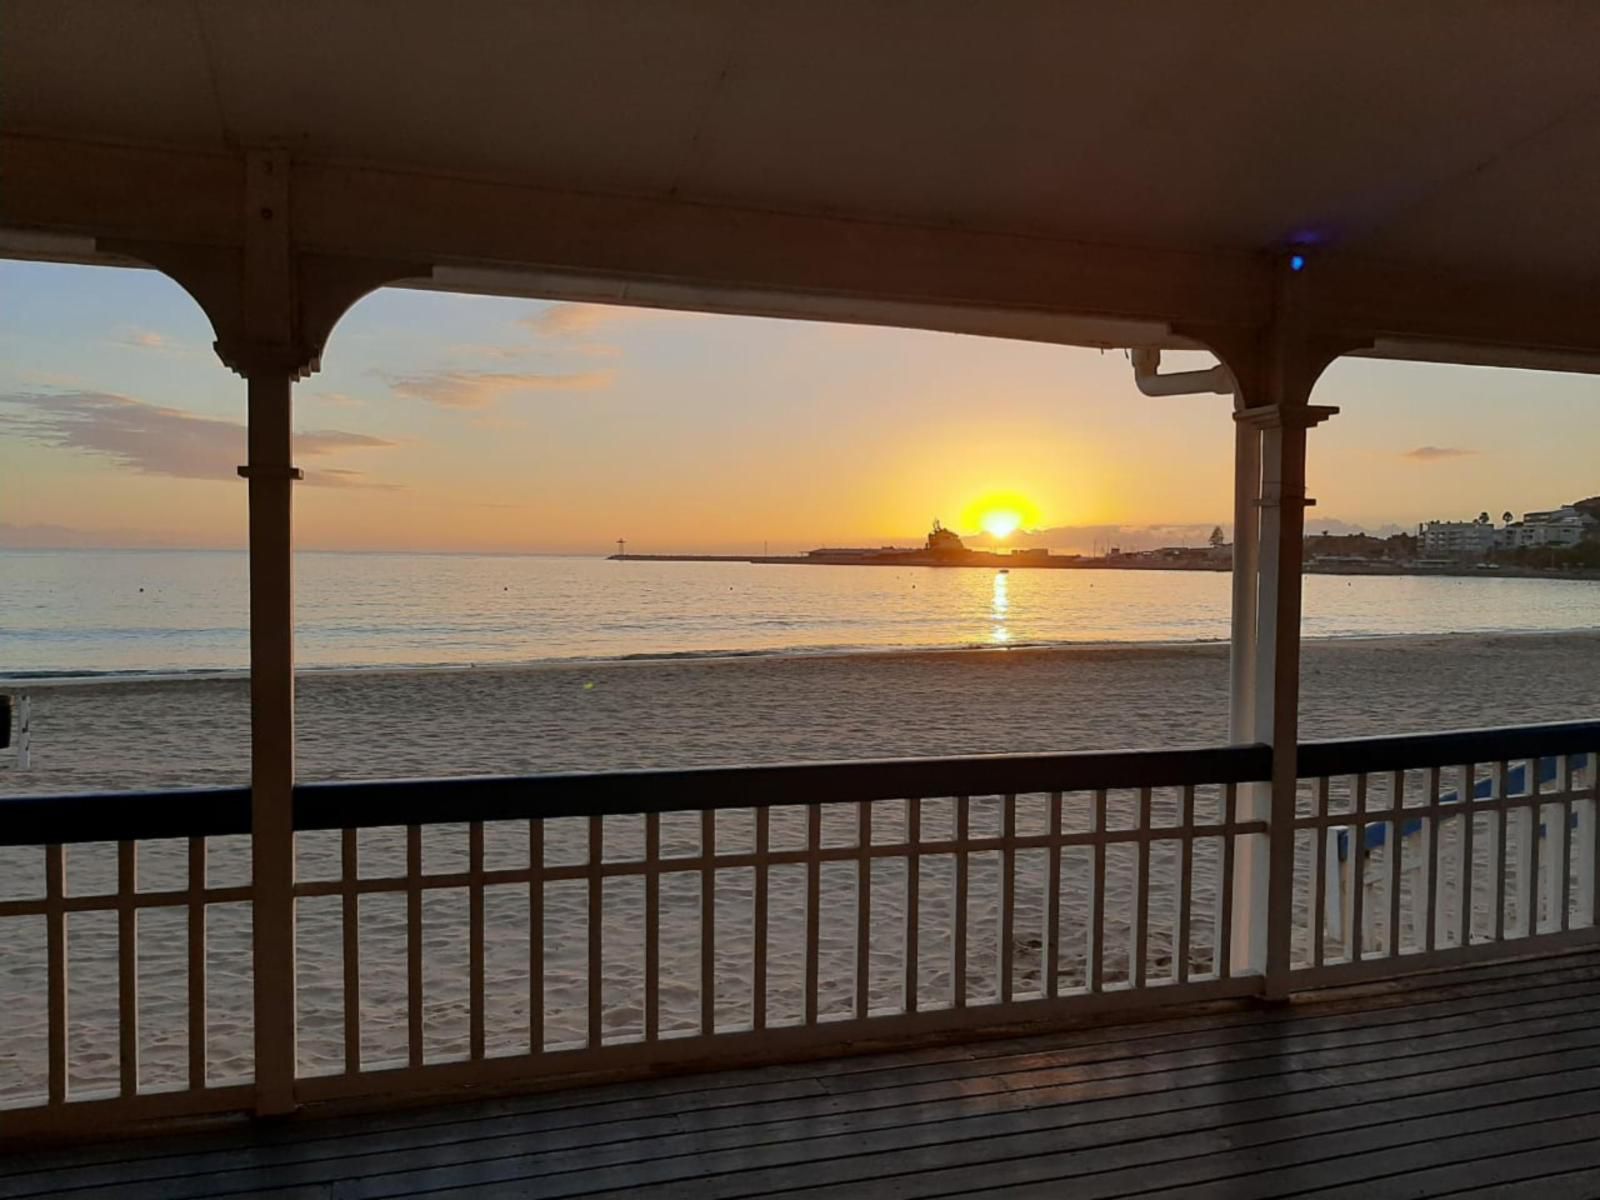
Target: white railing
[
  {"x": 493, "y": 931},
  {"x": 71, "y": 1050},
  {"x": 1420, "y": 852}
]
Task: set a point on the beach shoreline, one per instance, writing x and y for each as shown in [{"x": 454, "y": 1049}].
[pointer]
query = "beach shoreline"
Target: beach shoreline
[
  {"x": 149, "y": 733},
  {"x": 29, "y": 681}
]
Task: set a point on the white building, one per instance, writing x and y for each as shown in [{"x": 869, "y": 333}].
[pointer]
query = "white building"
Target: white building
[
  {"x": 1456, "y": 539},
  {"x": 1564, "y": 526}
]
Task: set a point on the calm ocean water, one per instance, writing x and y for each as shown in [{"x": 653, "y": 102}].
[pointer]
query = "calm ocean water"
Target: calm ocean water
[{"x": 80, "y": 612}]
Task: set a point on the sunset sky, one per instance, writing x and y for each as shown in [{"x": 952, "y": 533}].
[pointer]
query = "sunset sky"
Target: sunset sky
[{"x": 444, "y": 422}]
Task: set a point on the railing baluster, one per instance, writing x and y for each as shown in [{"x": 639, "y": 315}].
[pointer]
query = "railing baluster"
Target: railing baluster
[
  {"x": 1555, "y": 838},
  {"x": 1008, "y": 899},
  {"x": 536, "y": 936},
  {"x": 1434, "y": 838},
  {"x": 414, "y": 944},
  {"x": 1563, "y": 846},
  {"x": 1097, "y": 899},
  {"x": 1319, "y": 867},
  {"x": 1224, "y": 934},
  {"x": 128, "y": 966},
  {"x": 1498, "y": 827},
  {"x": 863, "y": 907},
  {"x": 1052, "y": 902},
  {"x": 595, "y": 956},
  {"x": 1588, "y": 893},
  {"x": 758, "y": 978},
  {"x": 652, "y": 927},
  {"x": 55, "y": 884},
  {"x": 913, "y": 896},
  {"x": 1469, "y": 832},
  {"x": 958, "y": 940},
  {"x": 475, "y": 939},
  {"x": 708, "y": 922},
  {"x": 197, "y": 963},
  {"x": 1139, "y": 948},
  {"x": 813, "y": 907},
  {"x": 350, "y": 920},
  {"x": 1354, "y": 936},
  {"x": 1180, "y": 954},
  {"x": 1396, "y": 856},
  {"x": 1534, "y": 819}
]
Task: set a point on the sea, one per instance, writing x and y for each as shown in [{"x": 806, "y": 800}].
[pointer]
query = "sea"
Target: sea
[{"x": 135, "y": 612}]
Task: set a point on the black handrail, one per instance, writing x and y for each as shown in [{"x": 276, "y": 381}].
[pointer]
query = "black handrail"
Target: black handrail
[
  {"x": 419, "y": 801},
  {"x": 123, "y": 816},
  {"x": 1353, "y": 756},
  {"x": 215, "y": 812},
  {"x": 126, "y": 816}
]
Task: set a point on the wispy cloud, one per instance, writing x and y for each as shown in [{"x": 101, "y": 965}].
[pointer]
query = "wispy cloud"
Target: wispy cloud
[
  {"x": 1436, "y": 453},
  {"x": 343, "y": 477},
  {"x": 471, "y": 350},
  {"x": 480, "y": 389},
  {"x": 567, "y": 319},
  {"x": 154, "y": 440},
  {"x": 338, "y": 399},
  {"x": 565, "y": 327},
  {"x": 148, "y": 339}
]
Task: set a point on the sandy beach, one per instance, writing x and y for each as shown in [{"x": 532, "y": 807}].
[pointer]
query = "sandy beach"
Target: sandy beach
[
  {"x": 187, "y": 731},
  {"x": 677, "y": 712}
]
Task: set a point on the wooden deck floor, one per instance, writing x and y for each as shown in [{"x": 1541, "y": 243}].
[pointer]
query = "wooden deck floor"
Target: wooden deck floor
[{"x": 1482, "y": 1082}]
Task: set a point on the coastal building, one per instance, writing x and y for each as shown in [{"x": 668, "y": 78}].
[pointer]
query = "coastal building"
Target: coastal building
[
  {"x": 851, "y": 551},
  {"x": 1560, "y": 527},
  {"x": 943, "y": 541},
  {"x": 1457, "y": 539}
]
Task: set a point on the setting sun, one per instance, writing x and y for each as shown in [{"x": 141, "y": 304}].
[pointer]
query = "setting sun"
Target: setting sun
[
  {"x": 1001, "y": 522},
  {"x": 999, "y": 512}
]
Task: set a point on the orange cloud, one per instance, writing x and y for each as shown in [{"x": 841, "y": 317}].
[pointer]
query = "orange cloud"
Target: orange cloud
[
  {"x": 480, "y": 389},
  {"x": 567, "y": 319},
  {"x": 1436, "y": 453}
]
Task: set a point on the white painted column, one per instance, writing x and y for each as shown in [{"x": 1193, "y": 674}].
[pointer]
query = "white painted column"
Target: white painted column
[
  {"x": 1263, "y": 932},
  {"x": 271, "y": 476},
  {"x": 1274, "y": 373},
  {"x": 1251, "y": 854},
  {"x": 269, "y": 358},
  {"x": 1277, "y": 709},
  {"x": 1246, "y": 547}
]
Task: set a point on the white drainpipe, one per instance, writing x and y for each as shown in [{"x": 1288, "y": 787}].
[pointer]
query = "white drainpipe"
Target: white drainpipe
[
  {"x": 1246, "y": 525},
  {"x": 1147, "y": 363}
]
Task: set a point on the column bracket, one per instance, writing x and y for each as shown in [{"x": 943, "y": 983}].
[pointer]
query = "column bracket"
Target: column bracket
[
  {"x": 1285, "y": 416},
  {"x": 265, "y": 472}
]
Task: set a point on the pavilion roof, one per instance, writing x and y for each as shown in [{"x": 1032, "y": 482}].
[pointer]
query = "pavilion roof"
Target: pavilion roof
[{"x": 1143, "y": 163}]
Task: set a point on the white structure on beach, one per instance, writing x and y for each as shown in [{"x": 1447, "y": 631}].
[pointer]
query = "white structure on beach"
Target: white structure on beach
[
  {"x": 1559, "y": 527},
  {"x": 1456, "y": 539},
  {"x": 1556, "y": 527}
]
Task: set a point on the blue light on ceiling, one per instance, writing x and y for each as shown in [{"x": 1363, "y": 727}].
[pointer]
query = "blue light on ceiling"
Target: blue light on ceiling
[{"x": 1297, "y": 262}]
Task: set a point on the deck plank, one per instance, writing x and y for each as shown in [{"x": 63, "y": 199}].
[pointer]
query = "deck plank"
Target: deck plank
[
  {"x": 1486, "y": 987},
  {"x": 561, "y": 1133},
  {"x": 1483, "y": 1081},
  {"x": 1357, "y": 1006}
]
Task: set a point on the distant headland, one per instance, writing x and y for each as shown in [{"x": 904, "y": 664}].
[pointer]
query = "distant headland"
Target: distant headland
[{"x": 944, "y": 548}]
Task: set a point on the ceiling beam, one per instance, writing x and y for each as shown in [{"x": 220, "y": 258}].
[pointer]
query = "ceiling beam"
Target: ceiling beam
[{"x": 506, "y": 236}]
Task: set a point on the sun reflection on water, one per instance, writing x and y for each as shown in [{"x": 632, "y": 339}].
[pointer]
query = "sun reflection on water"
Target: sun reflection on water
[{"x": 1001, "y": 606}]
